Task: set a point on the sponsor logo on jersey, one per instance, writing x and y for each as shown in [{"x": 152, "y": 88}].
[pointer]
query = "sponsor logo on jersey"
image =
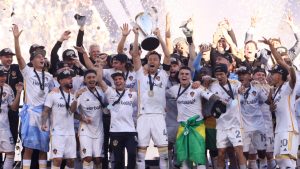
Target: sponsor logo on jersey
[{"x": 157, "y": 78}]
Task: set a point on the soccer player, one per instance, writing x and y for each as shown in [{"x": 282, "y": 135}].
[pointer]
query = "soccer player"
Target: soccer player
[
  {"x": 7, "y": 101},
  {"x": 91, "y": 104},
  {"x": 37, "y": 85},
  {"x": 152, "y": 102},
  {"x": 189, "y": 105},
  {"x": 122, "y": 129},
  {"x": 228, "y": 124},
  {"x": 251, "y": 95},
  {"x": 60, "y": 106}
]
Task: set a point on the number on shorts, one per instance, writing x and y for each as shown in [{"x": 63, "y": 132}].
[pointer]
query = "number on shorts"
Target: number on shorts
[
  {"x": 238, "y": 134},
  {"x": 263, "y": 137},
  {"x": 271, "y": 140},
  {"x": 283, "y": 142}
]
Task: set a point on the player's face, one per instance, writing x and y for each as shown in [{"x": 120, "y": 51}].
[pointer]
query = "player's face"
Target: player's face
[
  {"x": 38, "y": 61},
  {"x": 90, "y": 80},
  {"x": 275, "y": 78},
  {"x": 184, "y": 76},
  {"x": 2, "y": 80},
  {"x": 181, "y": 47},
  {"x": 259, "y": 76},
  {"x": 206, "y": 55},
  {"x": 221, "y": 76},
  {"x": 174, "y": 69},
  {"x": 6, "y": 60},
  {"x": 119, "y": 82},
  {"x": 245, "y": 78},
  {"x": 118, "y": 65},
  {"x": 94, "y": 52},
  {"x": 153, "y": 63},
  {"x": 250, "y": 50},
  {"x": 67, "y": 82}
]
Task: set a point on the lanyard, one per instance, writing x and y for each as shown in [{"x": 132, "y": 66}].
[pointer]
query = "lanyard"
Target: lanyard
[
  {"x": 1, "y": 93},
  {"x": 246, "y": 94},
  {"x": 42, "y": 85},
  {"x": 99, "y": 98},
  {"x": 180, "y": 93},
  {"x": 66, "y": 101},
  {"x": 277, "y": 92},
  {"x": 120, "y": 97},
  {"x": 230, "y": 92},
  {"x": 126, "y": 76},
  {"x": 151, "y": 84}
]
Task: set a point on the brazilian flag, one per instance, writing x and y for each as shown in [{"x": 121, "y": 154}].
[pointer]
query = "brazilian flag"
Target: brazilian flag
[{"x": 190, "y": 141}]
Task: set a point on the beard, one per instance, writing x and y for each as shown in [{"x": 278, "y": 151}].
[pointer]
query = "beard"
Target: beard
[{"x": 69, "y": 86}]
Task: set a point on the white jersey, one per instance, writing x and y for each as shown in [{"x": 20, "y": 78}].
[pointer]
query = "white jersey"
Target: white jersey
[
  {"x": 189, "y": 103},
  {"x": 130, "y": 78},
  {"x": 77, "y": 83},
  {"x": 7, "y": 100},
  {"x": 265, "y": 109},
  {"x": 156, "y": 103},
  {"x": 33, "y": 94},
  {"x": 297, "y": 107},
  {"x": 285, "y": 108},
  {"x": 297, "y": 85},
  {"x": 232, "y": 117},
  {"x": 62, "y": 121},
  {"x": 122, "y": 112},
  {"x": 91, "y": 107},
  {"x": 250, "y": 108}
]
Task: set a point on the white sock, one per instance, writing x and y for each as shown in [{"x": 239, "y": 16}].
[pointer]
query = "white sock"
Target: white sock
[
  {"x": 185, "y": 165},
  {"x": 87, "y": 165},
  {"x": 271, "y": 164},
  {"x": 252, "y": 164},
  {"x": 263, "y": 163},
  {"x": 140, "y": 164},
  {"x": 243, "y": 166},
  {"x": 163, "y": 160},
  {"x": 9, "y": 162},
  {"x": 43, "y": 164},
  {"x": 26, "y": 164},
  {"x": 201, "y": 167},
  {"x": 285, "y": 163}
]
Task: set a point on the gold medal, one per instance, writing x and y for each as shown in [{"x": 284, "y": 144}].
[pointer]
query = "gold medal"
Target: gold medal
[{"x": 150, "y": 93}]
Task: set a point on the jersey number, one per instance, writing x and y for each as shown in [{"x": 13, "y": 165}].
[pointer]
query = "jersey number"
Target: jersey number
[{"x": 238, "y": 134}]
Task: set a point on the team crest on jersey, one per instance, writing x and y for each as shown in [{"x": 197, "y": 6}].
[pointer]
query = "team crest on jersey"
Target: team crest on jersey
[
  {"x": 54, "y": 151},
  {"x": 3, "y": 94},
  {"x": 192, "y": 94},
  {"x": 130, "y": 95},
  {"x": 83, "y": 150},
  {"x": 61, "y": 98},
  {"x": 254, "y": 93},
  {"x": 157, "y": 78},
  {"x": 130, "y": 78},
  {"x": 115, "y": 143}
]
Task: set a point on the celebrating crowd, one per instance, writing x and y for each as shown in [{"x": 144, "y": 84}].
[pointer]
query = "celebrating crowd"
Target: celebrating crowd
[{"x": 200, "y": 109}]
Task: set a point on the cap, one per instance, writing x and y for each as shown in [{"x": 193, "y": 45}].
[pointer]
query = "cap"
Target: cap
[
  {"x": 117, "y": 73},
  {"x": 175, "y": 61},
  {"x": 35, "y": 47},
  {"x": 120, "y": 57},
  {"x": 36, "y": 52},
  {"x": 6, "y": 52},
  {"x": 3, "y": 72},
  {"x": 279, "y": 69},
  {"x": 65, "y": 74},
  {"x": 221, "y": 68},
  {"x": 69, "y": 54},
  {"x": 258, "y": 69},
  {"x": 243, "y": 70},
  {"x": 225, "y": 55}
]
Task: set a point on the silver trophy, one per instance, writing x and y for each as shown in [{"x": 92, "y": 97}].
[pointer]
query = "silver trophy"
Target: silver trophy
[
  {"x": 146, "y": 24},
  {"x": 187, "y": 27}
]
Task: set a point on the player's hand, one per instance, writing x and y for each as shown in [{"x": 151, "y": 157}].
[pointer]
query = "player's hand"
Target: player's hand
[
  {"x": 241, "y": 90},
  {"x": 55, "y": 90},
  {"x": 79, "y": 92},
  {"x": 196, "y": 84},
  {"x": 19, "y": 87},
  {"x": 86, "y": 120},
  {"x": 16, "y": 32},
  {"x": 65, "y": 36},
  {"x": 156, "y": 32},
  {"x": 45, "y": 127},
  {"x": 80, "y": 49},
  {"x": 125, "y": 30},
  {"x": 135, "y": 30}
]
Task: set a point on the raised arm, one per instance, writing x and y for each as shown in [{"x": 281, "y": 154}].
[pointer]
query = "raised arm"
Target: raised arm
[
  {"x": 17, "y": 34},
  {"x": 88, "y": 63},
  {"x": 15, "y": 105},
  {"x": 163, "y": 46},
  {"x": 250, "y": 32},
  {"x": 101, "y": 82},
  {"x": 125, "y": 32},
  {"x": 295, "y": 50},
  {"x": 135, "y": 50},
  {"x": 230, "y": 31},
  {"x": 168, "y": 33}
]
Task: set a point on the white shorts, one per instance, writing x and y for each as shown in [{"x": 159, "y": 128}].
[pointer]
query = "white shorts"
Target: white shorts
[
  {"x": 63, "y": 147},
  {"x": 254, "y": 139},
  {"x": 152, "y": 126},
  {"x": 286, "y": 143},
  {"x": 6, "y": 142},
  {"x": 270, "y": 141},
  {"x": 91, "y": 147},
  {"x": 228, "y": 137}
]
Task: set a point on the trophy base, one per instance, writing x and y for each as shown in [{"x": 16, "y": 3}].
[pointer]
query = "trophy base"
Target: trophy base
[{"x": 150, "y": 43}]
